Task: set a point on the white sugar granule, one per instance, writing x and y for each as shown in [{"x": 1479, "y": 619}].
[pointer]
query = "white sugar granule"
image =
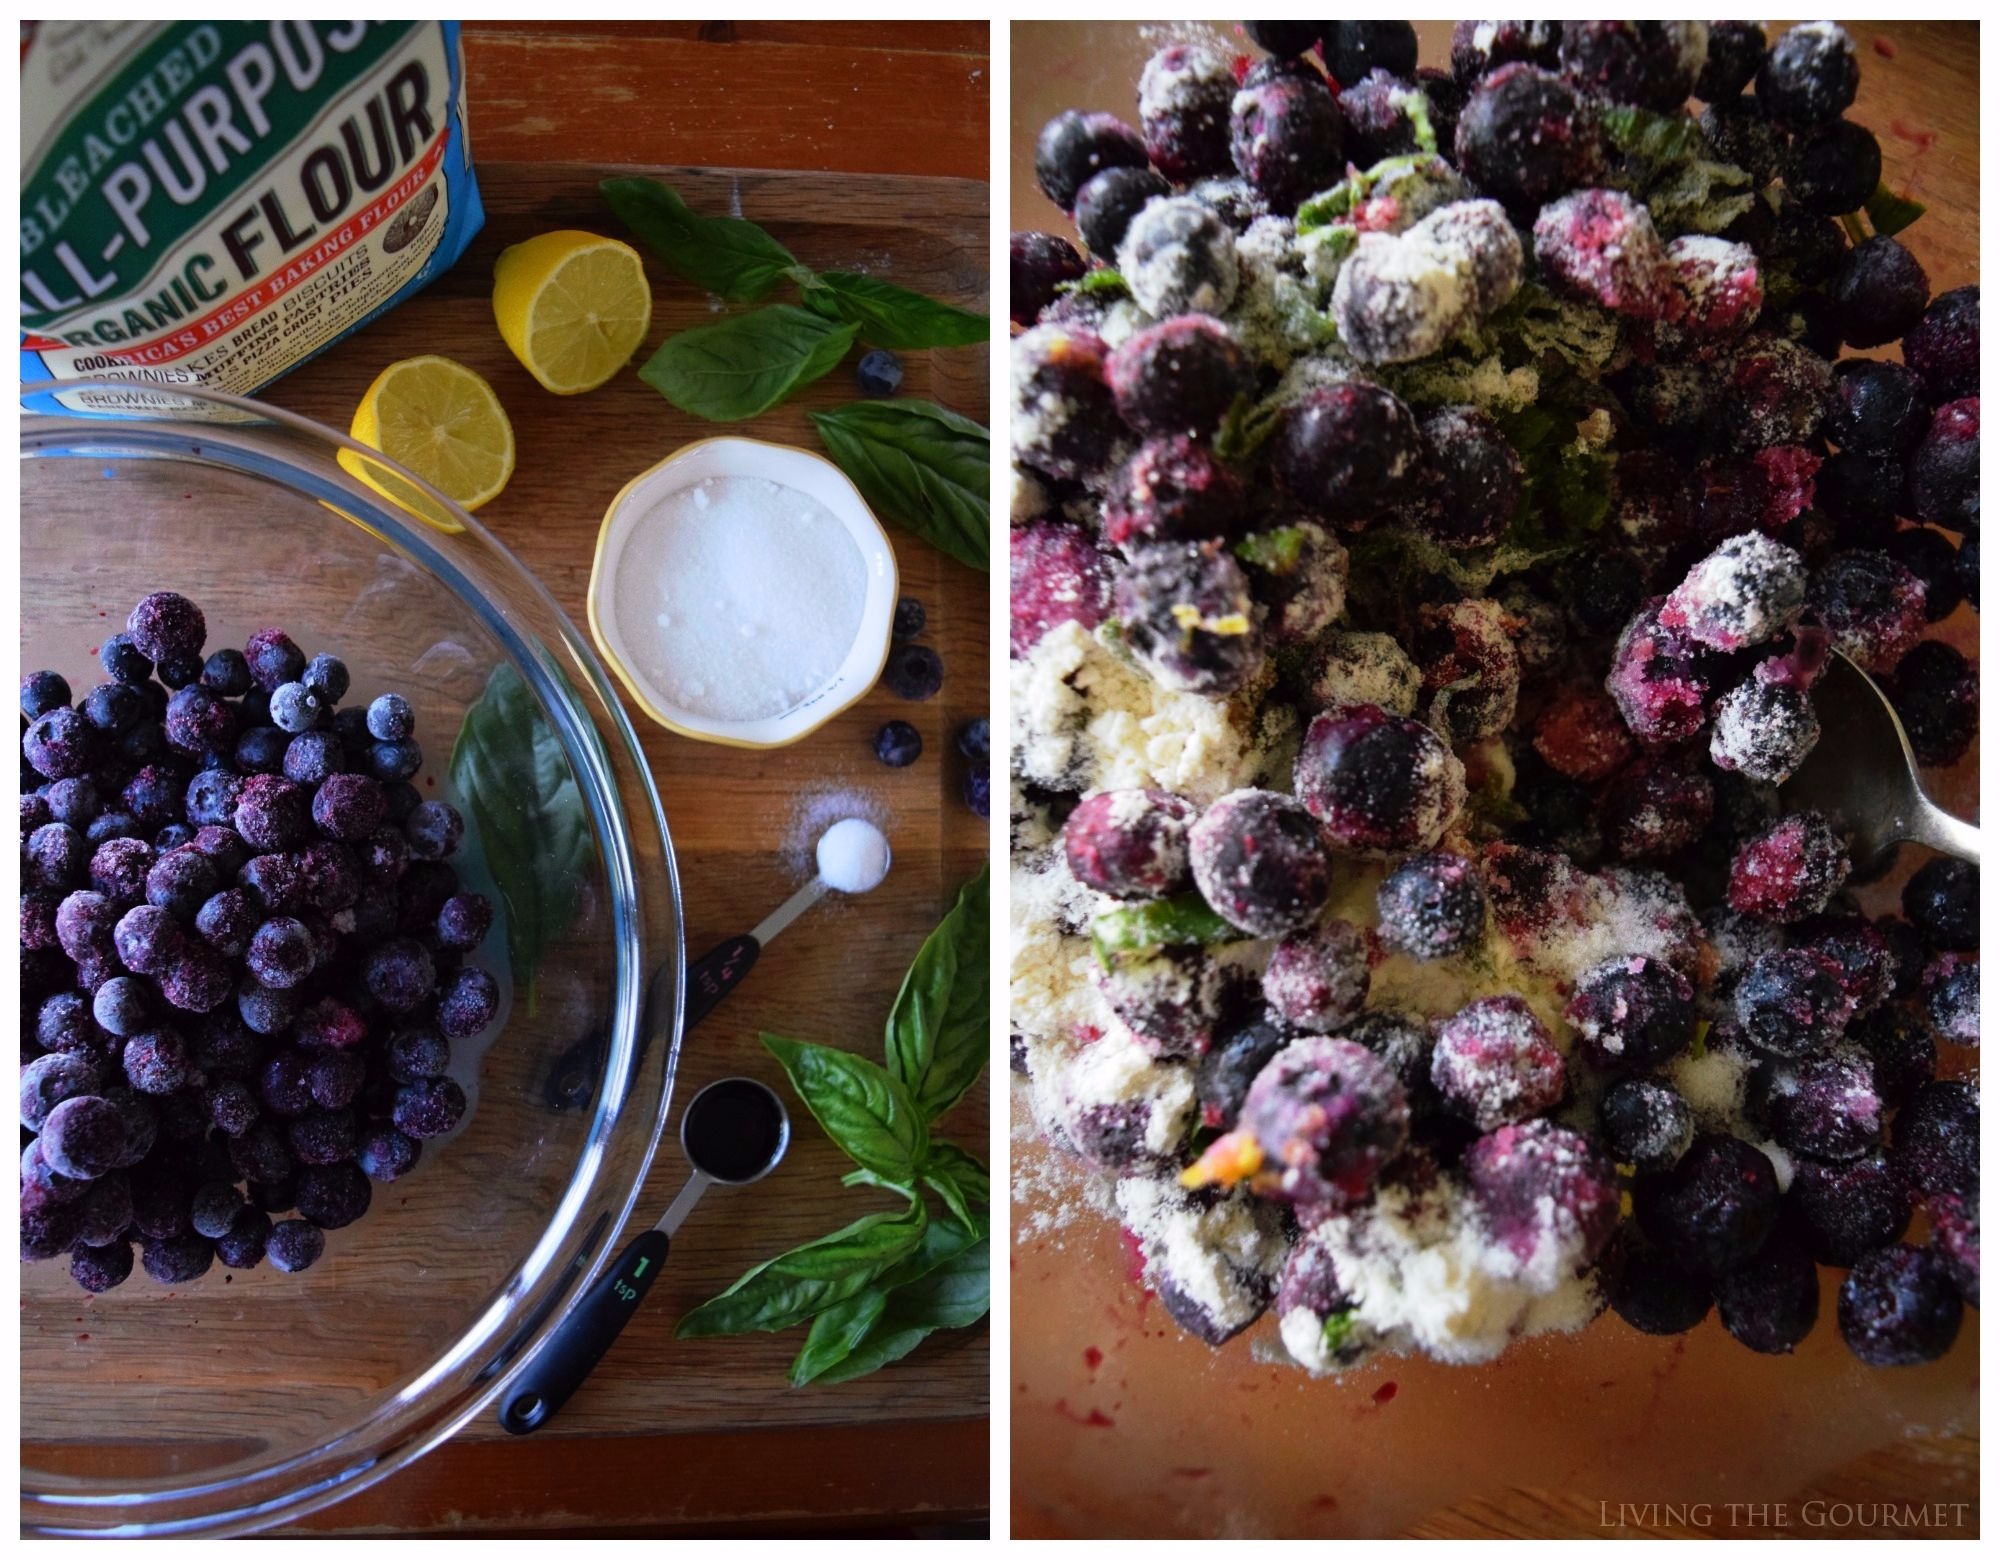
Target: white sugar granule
[{"x": 738, "y": 598}]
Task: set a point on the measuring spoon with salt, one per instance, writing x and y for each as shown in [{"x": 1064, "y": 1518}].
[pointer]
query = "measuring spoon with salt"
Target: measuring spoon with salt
[{"x": 733, "y": 1132}]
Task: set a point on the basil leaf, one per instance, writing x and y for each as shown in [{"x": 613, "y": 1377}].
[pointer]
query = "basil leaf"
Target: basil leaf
[
  {"x": 1098, "y": 279},
  {"x": 882, "y": 1182},
  {"x": 869, "y": 1114},
  {"x": 948, "y": 1159},
  {"x": 1185, "y": 920},
  {"x": 1889, "y": 212},
  {"x": 515, "y": 784},
  {"x": 807, "y": 1279},
  {"x": 744, "y": 366},
  {"x": 891, "y": 316},
  {"x": 836, "y": 1331},
  {"x": 953, "y": 1294},
  {"x": 953, "y": 1196},
  {"x": 919, "y": 465},
  {"x": 725, "y": 255},
  {"x": 936, "y": 1038}
]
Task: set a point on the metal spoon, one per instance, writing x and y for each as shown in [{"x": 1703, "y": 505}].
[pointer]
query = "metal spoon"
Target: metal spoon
[
  {"x": 733, "y": 1132},
  {"x": 1863, "y": 776}
]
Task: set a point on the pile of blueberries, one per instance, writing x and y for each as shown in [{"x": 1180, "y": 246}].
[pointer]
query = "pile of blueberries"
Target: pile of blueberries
[
  {"x": 915, "y": 671},
  {"x": 242, "y": 954},
  {"x": 1767, "y": 503}
]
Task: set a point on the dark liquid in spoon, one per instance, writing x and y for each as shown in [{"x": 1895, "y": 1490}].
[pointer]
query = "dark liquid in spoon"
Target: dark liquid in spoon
[{"x": 733, "y": 1129}]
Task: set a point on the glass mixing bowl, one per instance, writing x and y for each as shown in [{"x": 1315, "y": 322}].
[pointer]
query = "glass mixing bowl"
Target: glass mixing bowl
[{"x": 251, "y": 1398}]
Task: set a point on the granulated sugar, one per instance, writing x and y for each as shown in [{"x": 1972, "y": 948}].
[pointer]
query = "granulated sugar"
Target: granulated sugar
[
  {"x": 737, "y": 597},
  {"x": 817, "y": 811}
]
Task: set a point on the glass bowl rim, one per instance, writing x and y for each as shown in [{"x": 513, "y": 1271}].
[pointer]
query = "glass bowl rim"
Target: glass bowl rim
[{"x": 513, "y": 1321}]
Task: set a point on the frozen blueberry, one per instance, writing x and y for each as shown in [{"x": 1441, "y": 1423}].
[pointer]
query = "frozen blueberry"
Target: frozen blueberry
[
  {"x": 211, "y": 797},
  {"x": 430, "y": 1108},
  {"x": 1632, "y": 1013},
  {"x": 232, "y": 1107},
  {"x": 85, "y": 921},
  {"x": 123, "y": 661},
  {"x": 165, "y": 624},
  {"x": 909, "y": 620},
  {"x": 417, "y": 1054},
  {"x": 1735, "y": 55},
  {"x": 1935, "y": 1143},
  {"x": 467, "y": 1004},
  {"x": 1494, "y": 1063},
  {"x": 1170, "y": 998},
  {"x": 1378, "y": 783},
  {"x": 1951, "y": 998},
  {"x": 1942, "y": 901},
  {"x": 242, "y": 1245},
  {"x": 1227, "y": 1069},
  {"x": 1328, "y": 1116},
  {"x": 1878, "y": 292},
  {"x": 1287, "y": 139},
  {"x": 975, "y": 738},
  {"x": 386, "y": 1154},
  {"x": 121, "y": 1006},
  {"x": 273, "y": 659},
  {"x": 1108, "y": 202},
  {"x": 1931, "y": 557},
  {"x": 1179, "y": 256},
  {"x": 1190, "y": 618},
  {"x": 1432, "y": 907},
  {"x": 199, "y": 722},
  {"x": 84, "y": 1137},
  {"x": 261, "y": 750},
  {"x": 48, "y": 1081},
  {"x": 1955, "y": 1238},
  {"x": 274, "y": 880},
  {"x": 296, "y": 708},
  {"x": 294, "y": 1245},
  {"x": 284, "y": 1087},
  {"x": 334, "y": 1078},
  {"x": 60, "y": 744},
  {"x": 321, "y": 1137},
  {"x": 1653, "y": 1292},
  {"x": 1064, "y": 421},
  {"x": 1833, "y": 168},
  {"x": 1471, "y": 479},
  {"x": 1130, "y": 844},
  {"x": 177, "y": 1259},
  {"x": 391, "y": 719},
  {"x": 226, "y": 674},
  {"x": 98, "y": 1269},
  {"x": 1771, "y": 1302},
  {"x": 1846, "y": 1210},
  {"x": 913, "y": 672},
  {"x": 281, "y": 953},
  {"x": 1646, "y": 1123},
  {"x": 1317, "y": 979},
  {"x": 326, "y": 677},
  {"x": 216, "y": 1206},
  {"x": 74, "y": 801},
  {"x": 157, "y": 1062},
  {"x": 42, "y": 692},
  {"x": 1943, "y": 487},
  {"x": 1258, "y": 859},
  {"x": 1942, "y": 349},
  {"x": 1542, "y": 1194},
  {"x": 1789, "y": 871},
  {"x": 266, "y": 1011},
  {"x": 399, "y": 974},
  {"x": 464, "y": 921},
  {"x": 1809, "y": 76},
  {"x": 1351, "y": 449},
  {"x": 1873, "y": 606},
  {"x": 114, "y": 707},
  {"x": 1173, "y": 489},
  {"x": 54, "y": 857},
  {"x": 1826, "y": 1105},
  {"x": 1526, "y": 138},
  {"x": 1790, "y": 1002},
  {"x": 1038, "y": 266},
  {"x": 272, "y": 813},
  {"x": 1898, "y": 1306},
  {"x": 1180, "y": 376},
  {"x": 226, "y": 922},
  {"x": 63, "y": 1023},
  {"x": 434, "y": 830},
  {"x": 181, "y": 881},
  {"x": 1073, "y": 147},
  {"x": 1715, "y": 1208}
]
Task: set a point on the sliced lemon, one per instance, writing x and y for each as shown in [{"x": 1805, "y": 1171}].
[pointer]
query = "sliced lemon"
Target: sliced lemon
[
  {"x": 573, "y": 307},
  {"x": 443, "y": 422}
]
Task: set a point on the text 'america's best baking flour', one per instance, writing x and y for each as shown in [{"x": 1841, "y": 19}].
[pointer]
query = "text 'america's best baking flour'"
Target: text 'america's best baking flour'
[{"x": 211, "y": 203}]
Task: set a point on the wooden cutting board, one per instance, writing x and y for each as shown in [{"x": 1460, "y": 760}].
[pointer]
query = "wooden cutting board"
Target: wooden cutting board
[{"x": 831, "y": 977}]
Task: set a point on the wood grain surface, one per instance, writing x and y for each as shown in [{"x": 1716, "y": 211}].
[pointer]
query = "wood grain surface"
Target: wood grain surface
[
  {"x": 864, "y": 147},
  {"x": 1920, "y": 95},
  {"x": 830, "y": 978}
]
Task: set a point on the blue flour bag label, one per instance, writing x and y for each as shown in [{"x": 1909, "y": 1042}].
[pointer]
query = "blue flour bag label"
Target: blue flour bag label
[{"x": 211, "y": 203}]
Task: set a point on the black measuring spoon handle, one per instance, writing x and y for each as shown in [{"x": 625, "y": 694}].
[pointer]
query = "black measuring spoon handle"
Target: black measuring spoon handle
[
  {"x": 586, "y": 1335},
  {"x": 717, "y": 973}
]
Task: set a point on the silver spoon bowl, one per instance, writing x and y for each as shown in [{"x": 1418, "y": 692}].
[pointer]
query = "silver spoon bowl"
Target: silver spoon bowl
[{"x": 1863, "y": 776}]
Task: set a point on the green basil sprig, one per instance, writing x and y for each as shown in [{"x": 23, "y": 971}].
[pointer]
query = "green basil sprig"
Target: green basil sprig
[
  {"x": 876, "y": 1289},
  {"x": 744, "y": 366},
  {"x": 937, "y": 1030},
  {"x": 515, "y": 784},
  {"x": 919, "y": 465},
  {"x": 735, "y": 259},
  {"x": 891, "y": 316}
]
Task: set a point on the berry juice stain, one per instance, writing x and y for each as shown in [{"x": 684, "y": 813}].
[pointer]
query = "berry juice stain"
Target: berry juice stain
[
  {"x": 1386, "y": 1393},
  {"x": 733, "y": 1129},
  {"x": 1096, "y": 1419},
  {"x": 1093, "y": 1357}
]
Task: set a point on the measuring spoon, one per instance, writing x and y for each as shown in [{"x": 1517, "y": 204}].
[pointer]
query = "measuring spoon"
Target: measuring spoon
[{"x": 733, "y": 1132}]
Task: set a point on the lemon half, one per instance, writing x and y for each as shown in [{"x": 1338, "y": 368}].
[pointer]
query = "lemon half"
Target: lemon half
[
  {"x": 572, "y": 306},
  {"x": 443, "y": 422}
]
